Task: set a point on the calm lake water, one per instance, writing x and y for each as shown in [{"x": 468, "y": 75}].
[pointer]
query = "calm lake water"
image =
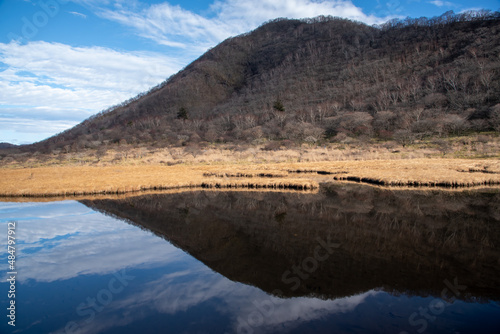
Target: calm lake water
[{"x": 349, "y": 259}]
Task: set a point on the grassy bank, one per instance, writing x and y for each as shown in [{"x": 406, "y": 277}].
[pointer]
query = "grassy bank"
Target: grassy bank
[
  {"x": 89, "y": 180},
  {"x": 484, "y": 146}
]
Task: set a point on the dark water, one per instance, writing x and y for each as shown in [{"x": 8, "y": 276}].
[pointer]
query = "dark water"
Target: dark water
[{"x": 350, "y": 259}]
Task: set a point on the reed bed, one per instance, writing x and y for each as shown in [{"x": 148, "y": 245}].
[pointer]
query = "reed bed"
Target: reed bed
[
  {"x": 410, "y": 183},
  {"x": 446, "y": 173},
  {"x": 319, "y": 172},
  {"x": 88, "y": 180},
  {"x": 245, "y": 174},
  {"x": 79, "y": 181},
  {"x": 115, "y": 196}
]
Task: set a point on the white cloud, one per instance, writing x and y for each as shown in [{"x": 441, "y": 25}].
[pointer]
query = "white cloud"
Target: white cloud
[
  {"x": 257, "y": 12},
  {"x": 30, "y": 130},
  {"x": 50, "y": 79},
  {"x": 24, "y": 125},
  {"x": 62, "y": 240},
  {"x": 173, "y": 296},
  {"x": 440, "y": 3},
  {"x": 174, "y": 26},
  {"x": 78, "y": 14},
  {"x": 472, "y": 9},
  {"x": 179, "y": 292},
  {"x": 96, "y": 72}
]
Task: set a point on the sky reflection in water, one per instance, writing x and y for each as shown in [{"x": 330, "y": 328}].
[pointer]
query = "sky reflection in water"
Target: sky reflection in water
[{"x": 68, "y": 254}]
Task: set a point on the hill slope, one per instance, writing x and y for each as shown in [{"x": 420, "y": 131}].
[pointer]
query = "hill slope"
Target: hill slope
[{"x": 316, "y": 80}]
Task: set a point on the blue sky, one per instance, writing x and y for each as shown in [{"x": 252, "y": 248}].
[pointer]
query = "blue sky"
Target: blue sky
[{"x": 62, "y": 61}]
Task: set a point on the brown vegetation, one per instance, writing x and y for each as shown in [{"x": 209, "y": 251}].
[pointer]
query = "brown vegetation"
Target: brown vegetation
[
  {"x": 316, "y": 81},
  {"x": 70, "y": 181},
  {"x": 64, "y": 181},
  {"x": 484, "y": 146}
]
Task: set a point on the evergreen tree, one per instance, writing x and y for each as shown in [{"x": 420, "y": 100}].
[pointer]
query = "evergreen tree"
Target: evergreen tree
[{"x": 182, "y": 114}]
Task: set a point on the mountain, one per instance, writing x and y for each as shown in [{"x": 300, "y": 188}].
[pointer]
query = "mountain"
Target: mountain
[
  {"x": 403, "y": 241},
  {"x": 317, "y": 80},
  {"x": 7, "y": 145}
]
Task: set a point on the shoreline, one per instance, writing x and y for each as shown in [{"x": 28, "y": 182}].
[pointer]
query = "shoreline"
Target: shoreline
[{"x": 120, "y": 179}]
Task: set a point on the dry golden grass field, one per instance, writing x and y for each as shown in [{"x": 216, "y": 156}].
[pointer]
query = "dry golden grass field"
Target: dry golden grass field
[{"x": 121, "y": 179}]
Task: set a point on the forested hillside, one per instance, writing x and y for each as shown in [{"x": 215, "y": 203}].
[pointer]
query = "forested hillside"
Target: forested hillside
[{"x": 318, "y": 80}]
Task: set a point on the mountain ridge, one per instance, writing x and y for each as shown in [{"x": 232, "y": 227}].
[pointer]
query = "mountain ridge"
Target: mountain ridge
[{"x": 317, "y": 80}]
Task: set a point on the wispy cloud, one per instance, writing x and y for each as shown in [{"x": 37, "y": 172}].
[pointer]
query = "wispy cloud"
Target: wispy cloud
[
  {"x": 56, "y": 81},
  {"x": 78, "y": 14},
  {"x": 62, "y": 240},
  {"x": 472, "y": 9},
  {"x": 28, "y": 129},
  {"x": 176, "y": 27},
  {"x": 182, "y": 292},
  {"x": 87, "y": 68},
  {"x": 440, "y": 3}
]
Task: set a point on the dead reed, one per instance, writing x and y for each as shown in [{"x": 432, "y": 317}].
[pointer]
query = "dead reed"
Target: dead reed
[
  {"x": 87, "y": 180},
  {"x": 78, "y": 181}
]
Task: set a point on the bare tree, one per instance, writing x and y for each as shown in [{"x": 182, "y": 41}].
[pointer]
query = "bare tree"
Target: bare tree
[
  {"x": 404, "y": 137},
  {"x": 495, "y": 117}
]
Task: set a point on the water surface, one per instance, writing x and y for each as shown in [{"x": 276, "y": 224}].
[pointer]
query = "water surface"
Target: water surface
[{"x": 350, "y": 259}]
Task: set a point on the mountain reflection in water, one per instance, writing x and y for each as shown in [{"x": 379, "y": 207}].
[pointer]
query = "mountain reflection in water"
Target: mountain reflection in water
[{"x": 340, "y": 242}]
